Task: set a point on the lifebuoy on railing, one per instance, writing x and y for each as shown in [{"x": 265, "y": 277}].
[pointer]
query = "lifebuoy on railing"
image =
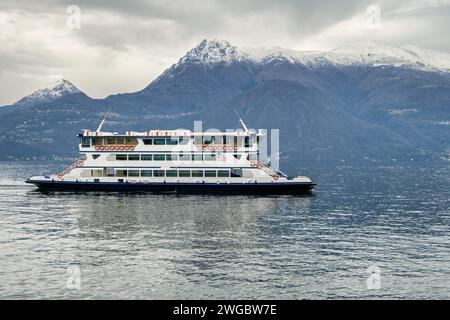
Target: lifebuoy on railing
[{"x": 275, "y": 178}]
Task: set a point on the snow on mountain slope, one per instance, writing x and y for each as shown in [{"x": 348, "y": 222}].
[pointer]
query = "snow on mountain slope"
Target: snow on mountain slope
[
  {"x": 60, "y": 88},
  {"x": 368, "y": 53}
]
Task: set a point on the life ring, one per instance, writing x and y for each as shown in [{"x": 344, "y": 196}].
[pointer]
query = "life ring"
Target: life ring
[
  {"x": 259, "y": 166},
  {"x": 252, "y": 164},
  {"x": 235, "y": 147},
  {"x": 60, "y": 175},
  {"x": 122, "y": 148},
  {"x": 97, "y": 147},
  {"x": 275, "y": 178},
  {"x": 224, "y": 148}
]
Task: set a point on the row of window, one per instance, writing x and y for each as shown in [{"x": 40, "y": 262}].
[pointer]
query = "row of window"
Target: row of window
[
  {"x": 166, "y": 157},
  {"x": 165, "y": 141},
  {"x": 161, "y": 173},
  {"x": 206, "y": 140}
]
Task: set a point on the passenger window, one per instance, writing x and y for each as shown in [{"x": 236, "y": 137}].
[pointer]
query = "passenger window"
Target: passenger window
[
  {"x": 223, "y": 173},
  {"x": 210, "y": 173},
  {"x": 158, "y": 173},
  {"x": 159, "y": 157},
  {"x": 197, "y": 173},
  {"x": 133, "y": 173},
  {"x": 159, "y": 142},
  {"x": 121, "y": 157},
  {"x": 171, "y": 173},
  {"x": 172, "y": 142},
  {"x": 133, "y": 157},
  {"x": 146, "y": 157},
  {"x": 184, "y": 173},
  {"x": 183, "y": 141},
  {"x": 146, "y": 173},
  {"x": 185, "y": 157},
  {"x": 147, "y": 141},
  {"x": 171, "y": 157},
  {"x": 85, "y": 142}
]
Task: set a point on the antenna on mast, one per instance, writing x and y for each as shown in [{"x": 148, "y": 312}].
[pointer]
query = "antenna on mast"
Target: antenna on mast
[
  {"x": 103, "y": 120},
  {"x": 240, "y": 120}
]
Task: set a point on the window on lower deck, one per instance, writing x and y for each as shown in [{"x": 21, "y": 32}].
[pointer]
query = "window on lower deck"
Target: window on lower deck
[
  {"x": 210, "y": 173},
  {"x": 171, "y": 173},
  {"x": 146, "y": 173},
  {"x": 109, "y": 172},
  {"x": 236, "y": 172},
  {"x": 197, "y": 173},
  {"x": 133, "y": 173},
  {"x": 223, "y": 173},
  {"x": 97, "y": 173},
  {"x": 158, "y": 173},
  {"x": 121, "y": 173},
  {"x": 184, "y": 173},
  {"x": 197, "y": 157},
  {"x": 121, "y": 157}
]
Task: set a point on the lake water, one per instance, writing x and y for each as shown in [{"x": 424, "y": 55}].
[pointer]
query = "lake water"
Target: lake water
[{"x": 394, "y": 216}]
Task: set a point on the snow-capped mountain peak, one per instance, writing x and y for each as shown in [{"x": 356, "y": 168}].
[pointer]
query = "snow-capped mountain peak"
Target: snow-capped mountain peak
[
  {"x": 365, "y": 53},
  {"x": 54, "y": 91},
  {"x": 213, "y": 51}
]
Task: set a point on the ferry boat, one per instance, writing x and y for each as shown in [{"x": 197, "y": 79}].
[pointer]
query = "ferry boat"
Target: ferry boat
[{"x": 173, "y": 161}]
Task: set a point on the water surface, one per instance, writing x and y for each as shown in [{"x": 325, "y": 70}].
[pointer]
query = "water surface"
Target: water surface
[{"x": 394, "y": 216}]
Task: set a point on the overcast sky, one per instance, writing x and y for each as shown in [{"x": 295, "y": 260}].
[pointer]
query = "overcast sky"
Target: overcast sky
[{"x": 121, "y": 46}]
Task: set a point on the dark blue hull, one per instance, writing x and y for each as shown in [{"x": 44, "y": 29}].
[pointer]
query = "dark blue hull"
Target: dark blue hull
[{"x": 182, "y": 188}]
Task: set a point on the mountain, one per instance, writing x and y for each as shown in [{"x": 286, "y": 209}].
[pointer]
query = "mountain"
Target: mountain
[
  {"x": 360, "y": 102},
  {"x": 59, "y": 89}
]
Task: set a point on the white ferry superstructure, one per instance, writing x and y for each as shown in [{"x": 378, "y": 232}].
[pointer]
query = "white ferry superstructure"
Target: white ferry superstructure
[{"x": 173, "y": 161}]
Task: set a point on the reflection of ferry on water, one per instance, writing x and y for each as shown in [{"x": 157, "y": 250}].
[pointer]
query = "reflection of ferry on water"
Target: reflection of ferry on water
[{"x": 173, "y": 161}]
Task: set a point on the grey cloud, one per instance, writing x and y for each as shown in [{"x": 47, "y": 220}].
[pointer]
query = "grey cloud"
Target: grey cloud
[{"x": 159, "y": 32}]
